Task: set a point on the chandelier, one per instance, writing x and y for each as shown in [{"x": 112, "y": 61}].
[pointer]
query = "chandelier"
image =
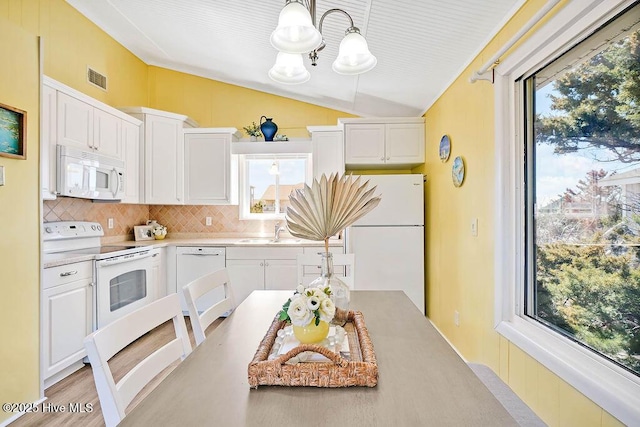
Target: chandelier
[{"x": 296, "y": 34}]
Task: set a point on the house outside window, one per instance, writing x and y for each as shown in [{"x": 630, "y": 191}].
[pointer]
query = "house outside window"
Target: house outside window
[
  {"x": 568, "y": 207},
  {"x": 266, "y": 180}
]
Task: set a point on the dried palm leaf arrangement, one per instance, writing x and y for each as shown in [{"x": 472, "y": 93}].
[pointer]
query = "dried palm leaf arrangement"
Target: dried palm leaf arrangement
[{"x": 328, "y": 206}]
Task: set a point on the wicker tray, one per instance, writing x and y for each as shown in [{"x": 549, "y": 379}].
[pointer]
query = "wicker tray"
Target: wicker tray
[{"x": 337, "y": 372}]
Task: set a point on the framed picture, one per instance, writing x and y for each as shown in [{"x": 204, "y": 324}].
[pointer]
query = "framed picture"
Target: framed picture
[
  {"x": 445, "y": 148},
  {"x": 13, "y": 131},
  {"x": 143, "y": 232},
  {"x": 457, "y": 171}
]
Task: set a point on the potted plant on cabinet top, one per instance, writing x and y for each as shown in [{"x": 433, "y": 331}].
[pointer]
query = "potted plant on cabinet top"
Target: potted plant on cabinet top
[{"x": 253, "y": 130}]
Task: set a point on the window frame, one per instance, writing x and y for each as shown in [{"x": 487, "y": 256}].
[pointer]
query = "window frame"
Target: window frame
[
  {"x": 610, "y": 386},
  {"x": 243, "y": 199}
]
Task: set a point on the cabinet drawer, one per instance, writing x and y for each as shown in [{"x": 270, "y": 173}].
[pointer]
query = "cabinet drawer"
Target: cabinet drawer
[
  {"x": 263, "y": 252},
  {"x": 62, "y": 274}
]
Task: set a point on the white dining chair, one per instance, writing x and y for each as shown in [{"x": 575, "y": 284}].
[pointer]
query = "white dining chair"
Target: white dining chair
[
  {"x": 343, "y": 267},
  {"x": 104, "y": 343},
  {"x": 199, "y": 287}
]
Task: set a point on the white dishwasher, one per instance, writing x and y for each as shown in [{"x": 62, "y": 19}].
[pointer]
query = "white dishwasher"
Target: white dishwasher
[{"x": 196, "y": 261}]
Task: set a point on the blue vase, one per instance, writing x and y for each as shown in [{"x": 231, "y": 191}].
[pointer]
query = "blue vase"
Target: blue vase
[{"x": 268, "y": 128}]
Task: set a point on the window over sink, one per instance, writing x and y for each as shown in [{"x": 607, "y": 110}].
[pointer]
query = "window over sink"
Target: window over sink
[{"x": 266, "y": 180}]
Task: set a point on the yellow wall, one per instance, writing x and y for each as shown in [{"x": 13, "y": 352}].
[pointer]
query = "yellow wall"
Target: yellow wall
[
  {"x": 20, "y": 224},
  {"x": 215, "y": 104},
  {"x": 460, "y": 275}
]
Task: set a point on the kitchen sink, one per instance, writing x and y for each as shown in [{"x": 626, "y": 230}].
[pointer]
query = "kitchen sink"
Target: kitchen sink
[{"x": 265, "y": 241}]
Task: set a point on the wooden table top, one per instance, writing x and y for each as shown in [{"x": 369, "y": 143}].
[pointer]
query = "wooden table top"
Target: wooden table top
[{"x": 422, "y": 380}]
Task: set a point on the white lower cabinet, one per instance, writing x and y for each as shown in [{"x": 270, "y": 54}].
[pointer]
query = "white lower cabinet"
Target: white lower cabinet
[
  {"x": 258, "y": 268},
  {"x": 67, "y": 318}
]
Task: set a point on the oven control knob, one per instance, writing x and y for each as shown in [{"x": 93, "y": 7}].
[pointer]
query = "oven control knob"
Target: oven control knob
[
  {"x": 99, "y": 227},
  {"x": 47, "y": 230},
  {"x": 93, "y": 227}
]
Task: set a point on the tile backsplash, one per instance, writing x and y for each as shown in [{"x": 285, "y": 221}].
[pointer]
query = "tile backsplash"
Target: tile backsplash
[{"x": 177, "y": 219}]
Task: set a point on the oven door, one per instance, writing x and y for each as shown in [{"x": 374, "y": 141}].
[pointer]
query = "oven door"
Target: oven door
[{"x": 123, "y": 284}]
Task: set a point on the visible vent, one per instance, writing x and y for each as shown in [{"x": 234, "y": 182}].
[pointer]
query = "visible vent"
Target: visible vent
[{"x": 97, "y": 79}]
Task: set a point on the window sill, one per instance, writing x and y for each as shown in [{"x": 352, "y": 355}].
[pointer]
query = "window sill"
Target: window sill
[{"x": 609, "y": 386}]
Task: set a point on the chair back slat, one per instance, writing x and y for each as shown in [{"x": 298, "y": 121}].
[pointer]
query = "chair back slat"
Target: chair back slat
[
  {"x": 104, "y": 343},
  {"x": 199, "y": 287}
]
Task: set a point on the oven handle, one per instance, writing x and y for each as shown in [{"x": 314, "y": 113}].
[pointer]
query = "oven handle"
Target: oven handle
[{"x": 122, "y": 259}]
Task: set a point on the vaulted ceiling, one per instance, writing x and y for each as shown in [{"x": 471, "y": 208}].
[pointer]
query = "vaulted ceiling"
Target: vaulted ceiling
[{"x": 421, "y": 46}]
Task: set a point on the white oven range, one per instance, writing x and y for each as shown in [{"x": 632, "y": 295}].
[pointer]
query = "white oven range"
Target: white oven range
[{"x": 124, "y": 276}]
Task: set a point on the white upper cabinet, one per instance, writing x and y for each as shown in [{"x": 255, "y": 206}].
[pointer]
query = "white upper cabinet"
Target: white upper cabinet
[
  {"x": 71, "y": 118},
  {"x": 328, "y": 150},
  {"x": 162, "y": 150},
  {"x": 132, "y": 163},
  {"x": 210, "y": 175},
  {"x": 384, "y": 142},
  {"x": 48, "y": 141},
  {"x": 82, "y": 125}
]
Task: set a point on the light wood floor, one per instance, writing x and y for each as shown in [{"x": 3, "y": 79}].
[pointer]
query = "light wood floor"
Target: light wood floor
[{"x": 79, "y": 387}]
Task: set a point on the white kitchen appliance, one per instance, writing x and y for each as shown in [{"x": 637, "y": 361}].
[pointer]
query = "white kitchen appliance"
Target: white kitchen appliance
[
  {"x": 388, "y": 242},
  {"x": 124, "y": 276},
  {"x": 88, "y": 175},
  {"x": 194, "y": 262}
]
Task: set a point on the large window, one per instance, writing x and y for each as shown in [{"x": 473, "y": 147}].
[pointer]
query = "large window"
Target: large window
[
  {"x": 567, "y": 218},
  {"x": 583, "y": 193},
  {"x": 266, "y": 180}
]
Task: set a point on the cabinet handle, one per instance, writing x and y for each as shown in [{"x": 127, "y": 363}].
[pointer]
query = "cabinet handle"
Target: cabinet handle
[
  {"x": 68, "y": 273},
  {"x": 262, "y": 264},
  {"x": 266, "y": 264},
  {"x": 388, "y": 158},
  {"x": 381, "y": 158}
]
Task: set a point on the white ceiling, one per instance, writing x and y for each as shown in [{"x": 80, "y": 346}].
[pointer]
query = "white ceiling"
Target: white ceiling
[{"x": 421, "y": 45}]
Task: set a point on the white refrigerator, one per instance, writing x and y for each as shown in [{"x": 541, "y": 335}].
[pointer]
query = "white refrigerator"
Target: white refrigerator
[{"x": 388, "y": 242}]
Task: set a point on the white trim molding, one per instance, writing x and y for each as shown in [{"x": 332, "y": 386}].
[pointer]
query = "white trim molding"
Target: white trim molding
[{"x": 611, "y": 387}]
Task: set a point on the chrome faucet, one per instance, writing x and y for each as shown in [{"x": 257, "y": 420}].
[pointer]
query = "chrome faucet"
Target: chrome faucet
[{"x": 277, "y": 231}]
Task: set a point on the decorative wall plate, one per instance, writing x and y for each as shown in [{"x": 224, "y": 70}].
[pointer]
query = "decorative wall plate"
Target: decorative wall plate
[
  {"x": 445, "y": 148},
  {"x": 457, "y": 171}
]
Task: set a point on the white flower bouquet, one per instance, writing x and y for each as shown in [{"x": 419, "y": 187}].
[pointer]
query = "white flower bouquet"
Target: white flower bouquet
[{"x": 308, "y": 305}]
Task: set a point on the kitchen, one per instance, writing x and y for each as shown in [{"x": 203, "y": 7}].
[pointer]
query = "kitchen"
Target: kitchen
[{"x": 215, "y": 104}]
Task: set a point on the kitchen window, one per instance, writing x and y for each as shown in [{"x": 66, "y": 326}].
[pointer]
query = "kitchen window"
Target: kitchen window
[
  {"x": 567, "y": 259},
  {"x": 266, "y": 180}
]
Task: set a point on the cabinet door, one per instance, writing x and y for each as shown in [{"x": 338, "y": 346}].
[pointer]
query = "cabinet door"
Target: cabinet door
[
  {"x": 328, "y": 153},
  {"x": 107, "y": 134},
  {"x": 280, "y": 274},
  {"x": 364, "y": 143},
  {"x": 164, "y": 160},
  {"x": 67, "y": 312},
  {"x": 75, "y": 122},
  {"x": 207, "y": 164},
  {"x": 404, "y": 143},
  {"x": 48, "y": 138},
  {"x": 246, "y": 276},
  {"x": 131, "y": 152}
]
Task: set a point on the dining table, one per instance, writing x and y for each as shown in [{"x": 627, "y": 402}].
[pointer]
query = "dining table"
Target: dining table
[{"x": 422, "y": 381}]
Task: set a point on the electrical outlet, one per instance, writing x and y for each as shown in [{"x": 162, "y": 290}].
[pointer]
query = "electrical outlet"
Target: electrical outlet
[
  {"x": 474, "y": 227},
  {"x": 456, "y": 318},
  {"x": 207, "y": 220},
  {"x": 110, "y": 223}
]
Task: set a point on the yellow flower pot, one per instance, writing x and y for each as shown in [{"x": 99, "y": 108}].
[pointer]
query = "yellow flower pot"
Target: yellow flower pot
[
  {"x": 160, "y": 237},
  {"x": 311, "y": 333}
]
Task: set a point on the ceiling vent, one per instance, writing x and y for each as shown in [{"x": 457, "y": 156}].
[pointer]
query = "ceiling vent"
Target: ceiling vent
[{"x": 97, "y": 79}]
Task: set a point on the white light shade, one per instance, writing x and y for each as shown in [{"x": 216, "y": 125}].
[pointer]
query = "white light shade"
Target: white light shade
[
  {"x": 289, "y": 69},
  {"x": 354, "y": 56},
  {"x": 295, "y": 32}
]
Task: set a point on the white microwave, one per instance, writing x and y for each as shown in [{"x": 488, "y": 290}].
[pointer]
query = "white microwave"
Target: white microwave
[{"x": 89, "y": 175}]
